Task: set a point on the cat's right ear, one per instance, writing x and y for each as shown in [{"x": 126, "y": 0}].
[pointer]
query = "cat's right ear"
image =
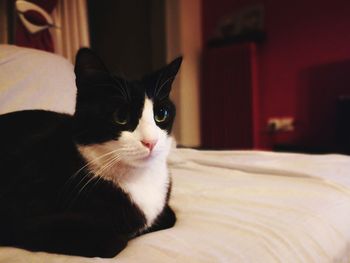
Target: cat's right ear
[{"x": 88, "y": 63}]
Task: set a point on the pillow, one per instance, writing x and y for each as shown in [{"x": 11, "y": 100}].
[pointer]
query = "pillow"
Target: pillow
[{"x": 34, "y": 79}]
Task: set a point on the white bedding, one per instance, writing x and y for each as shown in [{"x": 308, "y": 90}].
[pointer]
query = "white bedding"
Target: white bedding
[
  {"x": 33, "y": 79},
  {"x": 244, "y": 206},
  {"x": 232, "y": 206}
]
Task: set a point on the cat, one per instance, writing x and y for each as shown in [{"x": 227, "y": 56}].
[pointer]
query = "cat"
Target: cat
[{"x": 88, "y": 183}]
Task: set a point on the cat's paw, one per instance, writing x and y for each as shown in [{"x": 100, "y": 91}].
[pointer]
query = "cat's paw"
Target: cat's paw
[
  {"x": 165, "y": 220},
  {"x": 169, "y": 217}
]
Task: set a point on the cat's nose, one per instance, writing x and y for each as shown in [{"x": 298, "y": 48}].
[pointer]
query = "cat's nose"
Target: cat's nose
[{"x": 149, "y": 144}]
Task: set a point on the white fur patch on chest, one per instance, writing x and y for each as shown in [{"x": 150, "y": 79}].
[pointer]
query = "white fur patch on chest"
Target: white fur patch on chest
[{"x": 148, "y": 190}]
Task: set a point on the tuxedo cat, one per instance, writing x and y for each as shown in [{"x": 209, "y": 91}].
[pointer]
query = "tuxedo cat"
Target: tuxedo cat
[{"x": 86, "y": 184}]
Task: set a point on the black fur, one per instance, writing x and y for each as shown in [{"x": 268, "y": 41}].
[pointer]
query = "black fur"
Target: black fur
[{"x": 41, "y": 208}]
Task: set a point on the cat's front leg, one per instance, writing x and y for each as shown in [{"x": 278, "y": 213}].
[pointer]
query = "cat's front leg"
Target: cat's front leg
[{"x": 166, "y": 219}]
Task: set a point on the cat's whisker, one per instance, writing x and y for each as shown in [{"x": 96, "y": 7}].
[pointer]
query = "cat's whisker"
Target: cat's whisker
[
  {"x": 92, "y": 172},
  {"x": 107, "y": 165},
  {"x": 98, "y": 158},
  {"x": 86, "y": 184},
  {"x": 99, "y": 174},
  {"x": 89, "y": 173}
]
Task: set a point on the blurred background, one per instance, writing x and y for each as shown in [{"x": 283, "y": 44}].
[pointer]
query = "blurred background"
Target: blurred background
[{"x": 268, "y": 74}]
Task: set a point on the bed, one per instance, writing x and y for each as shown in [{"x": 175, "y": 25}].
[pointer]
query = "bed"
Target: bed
[{"x": 232, "y": 206}]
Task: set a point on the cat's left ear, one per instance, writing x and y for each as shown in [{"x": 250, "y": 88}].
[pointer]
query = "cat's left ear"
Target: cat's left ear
[
  {"x": 87, "y": 63},
  {"x": 166, "y": 77}
]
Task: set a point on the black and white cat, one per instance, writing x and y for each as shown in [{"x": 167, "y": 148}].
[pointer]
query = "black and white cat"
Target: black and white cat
[{"x": 86, "y": 184}]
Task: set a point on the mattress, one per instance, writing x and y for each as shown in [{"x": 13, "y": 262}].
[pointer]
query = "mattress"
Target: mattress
[{"x": 232, "y": 206}]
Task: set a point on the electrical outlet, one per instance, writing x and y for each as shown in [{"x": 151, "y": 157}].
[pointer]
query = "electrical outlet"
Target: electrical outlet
[{"x": 280, "y": 124}]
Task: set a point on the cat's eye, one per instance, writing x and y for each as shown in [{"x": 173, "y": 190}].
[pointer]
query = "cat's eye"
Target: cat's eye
[
  {"x": 161, "y": 115},
  {"x": 121, "y": 116}
]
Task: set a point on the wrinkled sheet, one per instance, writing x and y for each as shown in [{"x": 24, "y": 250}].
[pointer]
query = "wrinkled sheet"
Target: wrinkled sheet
[{"x": 244, "y": 206}]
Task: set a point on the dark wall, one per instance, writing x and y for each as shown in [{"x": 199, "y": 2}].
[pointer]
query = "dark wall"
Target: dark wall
[
  {"x": 128, "y": 35},
  {"x": 303, "y": 39}
]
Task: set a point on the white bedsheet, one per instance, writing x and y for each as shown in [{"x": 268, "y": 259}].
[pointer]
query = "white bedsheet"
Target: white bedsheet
[{"x": 244, "y": 206}]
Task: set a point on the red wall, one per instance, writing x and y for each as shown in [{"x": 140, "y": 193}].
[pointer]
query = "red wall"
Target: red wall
[{"x": 305, "y": 38}]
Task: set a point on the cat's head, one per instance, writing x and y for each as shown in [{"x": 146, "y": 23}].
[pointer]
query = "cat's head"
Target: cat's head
[{"x": 128, "y": 120}]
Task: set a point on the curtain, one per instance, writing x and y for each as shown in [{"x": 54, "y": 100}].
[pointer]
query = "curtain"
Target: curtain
[{"x": 73, "y": 32}]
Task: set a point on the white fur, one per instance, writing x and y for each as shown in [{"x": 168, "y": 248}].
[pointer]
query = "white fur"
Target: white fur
[{"x": 141, "y": 173}]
